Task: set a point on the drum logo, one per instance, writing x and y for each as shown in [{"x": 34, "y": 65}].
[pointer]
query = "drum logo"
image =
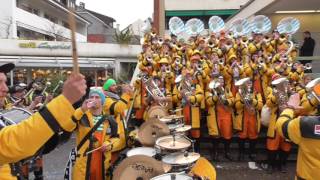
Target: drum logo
[
  {"x": 317, "y": 129},
  {"x": 142, "y": 167}
]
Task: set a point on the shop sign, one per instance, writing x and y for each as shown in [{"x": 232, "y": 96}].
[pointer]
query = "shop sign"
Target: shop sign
[{"x": 44, "y": 45}]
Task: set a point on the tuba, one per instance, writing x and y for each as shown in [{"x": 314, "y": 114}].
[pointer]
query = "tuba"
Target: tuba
[
  {"x": 176, "y": 25},
  {"x": 216, "y": 24},
  {"x": 261, "y": 24},
  {"x": 281, "y": 91},
  {"x": 240, "y": 27},
  {"x": 245, "y": 94},
  {"x": 184, "y": 85},
  {"x": 194, "y": 27},
  {"x": 153, "y": 89},
  {"x": 288, "y": 26}
]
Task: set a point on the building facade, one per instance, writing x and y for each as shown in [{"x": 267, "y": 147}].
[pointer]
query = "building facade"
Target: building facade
[
  {"x": 203, "y": 10},
  {"x": 39, "y": 20},
  {"x": 101, "y": 28}
]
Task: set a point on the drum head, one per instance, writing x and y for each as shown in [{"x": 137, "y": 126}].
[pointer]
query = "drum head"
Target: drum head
[
  {"x": 167, "y": 143},
  {"x": 170, "y": 176},
  {"x": 156, "y": 111},
  {"x": 15, "y": 115},
  {"x": 147, "y": 151},
  {"x": 181, "y": 158},
  {"x": 170, "y": 118}
]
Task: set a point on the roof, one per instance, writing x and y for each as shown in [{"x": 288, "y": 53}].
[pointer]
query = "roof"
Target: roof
[{"x": 104, "y": 18}]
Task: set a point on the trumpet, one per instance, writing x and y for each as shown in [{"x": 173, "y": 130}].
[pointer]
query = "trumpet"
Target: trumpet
[
  {"x": 245, "y": 94},
  {"x": 57, "y": 87},
  {"x": 244, "y": 41},
  {"x": 266, "y": 40},
  {"x": 221, "y": 61},
  {"x": 34, "y": 87},
  {"x": 184, "y": 85},
  {"x": 160, "y": 41},
  {"x": 218, "y": 90},
  {"x": 153, "y": 89},
  {"x": 48, "y": 84},
  {"x": 281, "y": 91}
]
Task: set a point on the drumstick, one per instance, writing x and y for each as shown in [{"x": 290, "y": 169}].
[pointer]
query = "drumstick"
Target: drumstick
[
  {"x": 97, "y": 149},
  {"x": 72, "y": 24}
]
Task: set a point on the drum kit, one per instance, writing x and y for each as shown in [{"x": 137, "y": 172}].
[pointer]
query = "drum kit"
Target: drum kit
[{"x": 166, "y": 152}]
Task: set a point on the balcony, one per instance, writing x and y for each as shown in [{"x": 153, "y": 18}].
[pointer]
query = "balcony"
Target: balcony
[{"x": 41, "y": 25}]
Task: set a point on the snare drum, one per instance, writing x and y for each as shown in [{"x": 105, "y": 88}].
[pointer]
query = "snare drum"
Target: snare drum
[
  {"x": 147, "y": 151},
  {"x": 14, "y": 116},
  {"x": 170, "y": 176}
]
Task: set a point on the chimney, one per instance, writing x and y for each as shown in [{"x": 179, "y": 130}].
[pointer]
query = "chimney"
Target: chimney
[
  {"x": 82, "y": 5},
  {"x": 118, "y": 27}
]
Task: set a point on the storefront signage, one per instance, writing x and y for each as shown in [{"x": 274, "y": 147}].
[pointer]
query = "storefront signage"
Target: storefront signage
[{"x": 44, "y": 45}]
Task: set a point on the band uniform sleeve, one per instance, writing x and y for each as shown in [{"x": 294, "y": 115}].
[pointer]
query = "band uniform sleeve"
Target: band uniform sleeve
[
  {"x": 117, "y": 107},
  {"x": 289, "y": 127},
  {"x": 24, "y": 139}
]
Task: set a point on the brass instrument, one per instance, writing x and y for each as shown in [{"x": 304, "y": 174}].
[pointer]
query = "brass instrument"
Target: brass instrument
[
  {"x": 153, "y": 89},
  {"x": 57, "y": 87},
  {"x": 184, "y": 85},
  {"x": 218, "y": 91},
  {"x": 176, "y": 25},
  {"x": 216, "y": 24},
  {"x": 245, "y": 94},
  {"x": 34, "y": 87},
  {"x": 309, "y": 88},
  {"x": 308, "y": 66},
  {"x": 281, "y": 91},
  {"x": 160, "y": 41},
  {"x": 48, "y": 84}
]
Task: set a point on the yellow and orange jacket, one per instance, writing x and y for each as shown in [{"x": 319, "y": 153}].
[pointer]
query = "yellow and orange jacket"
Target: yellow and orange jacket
[
  {"x": 81, "y": 168},
  {"x": 212, "y": 100},
  {"x": 239, "y": 111},
  {"x": 26, "y": 138},
  {"x": 303, "y": 131}
]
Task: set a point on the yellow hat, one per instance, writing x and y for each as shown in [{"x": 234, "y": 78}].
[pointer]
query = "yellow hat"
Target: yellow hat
[{"x": 163, "y": 61}]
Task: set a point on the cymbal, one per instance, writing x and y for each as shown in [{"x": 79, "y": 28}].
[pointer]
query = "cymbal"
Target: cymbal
[
  {"x": 139, "y": 167},
  {"x": 181, "y": 158},
  {"x": 170, "y": 118},
  {"x": 183, "y": 128},
  {"x": 151, "y": 130}
]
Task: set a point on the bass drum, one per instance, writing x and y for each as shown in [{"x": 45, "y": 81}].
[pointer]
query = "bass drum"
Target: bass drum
[
  {"x": 265, "y": 115},
  {"x": 156, "y": 112}
]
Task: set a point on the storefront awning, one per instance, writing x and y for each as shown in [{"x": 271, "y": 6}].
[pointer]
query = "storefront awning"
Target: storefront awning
[{"x": 57, "y": 62}]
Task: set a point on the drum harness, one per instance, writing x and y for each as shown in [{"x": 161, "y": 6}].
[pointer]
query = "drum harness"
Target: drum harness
[{"x": 73, "y": 154}]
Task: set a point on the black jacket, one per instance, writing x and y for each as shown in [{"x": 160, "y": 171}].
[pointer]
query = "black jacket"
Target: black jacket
[{"x": 307, "y": 47}]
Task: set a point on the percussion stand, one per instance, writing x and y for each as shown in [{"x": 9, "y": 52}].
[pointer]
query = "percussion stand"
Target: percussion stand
[{"x": 192, "y": 142}]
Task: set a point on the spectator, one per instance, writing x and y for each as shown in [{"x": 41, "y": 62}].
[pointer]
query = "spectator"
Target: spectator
[{"x": 307, "y": 48}]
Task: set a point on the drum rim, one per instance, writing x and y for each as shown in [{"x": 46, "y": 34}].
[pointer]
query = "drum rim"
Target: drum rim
[{"x": 149, "y": 148}]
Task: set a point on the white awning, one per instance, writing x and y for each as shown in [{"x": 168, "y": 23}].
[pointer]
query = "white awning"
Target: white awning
[{"x": 51, "y": 62}]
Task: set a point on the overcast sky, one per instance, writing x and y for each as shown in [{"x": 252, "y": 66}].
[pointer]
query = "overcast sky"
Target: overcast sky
[{"x": 124, "y": 12}]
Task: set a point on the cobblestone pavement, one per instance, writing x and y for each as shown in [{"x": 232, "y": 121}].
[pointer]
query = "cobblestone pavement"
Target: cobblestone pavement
[{"x": 56, "y": 160}]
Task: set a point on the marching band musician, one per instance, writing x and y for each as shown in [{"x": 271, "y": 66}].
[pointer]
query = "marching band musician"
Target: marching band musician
[
  {"x": 189, "y": 98},
  {"x": 39, "y": 127},
  {"x": 102, "y": 140},
  {"x": 309, "y": 103},
  {"x": 276, "y": 145},
  {"x": 17, "y": 93},
  {"x": 114, "y": 106},
  {"x": 219, "y": 120},
  {"x": 248, "y": 103},
  {"x": 304, "y": 131}
]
